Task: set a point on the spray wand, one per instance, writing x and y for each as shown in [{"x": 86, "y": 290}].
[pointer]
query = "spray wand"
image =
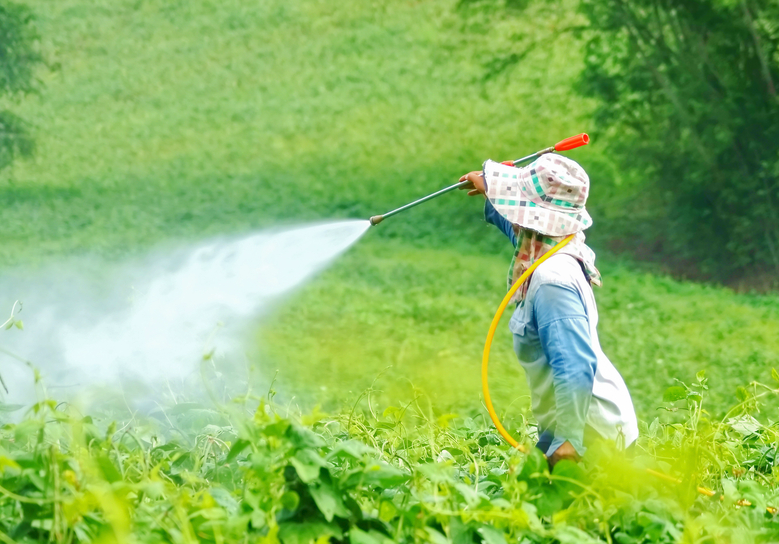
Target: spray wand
[{"x": 565, "y": 145}]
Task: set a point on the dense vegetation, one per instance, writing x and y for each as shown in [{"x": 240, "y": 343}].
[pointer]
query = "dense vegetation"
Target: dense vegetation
[
  {"x": 687, "y": 93},
  {"x": 249, "y": 472},
  {"x": 172, "y": 120},
  {"x": 686, "y": 105}
]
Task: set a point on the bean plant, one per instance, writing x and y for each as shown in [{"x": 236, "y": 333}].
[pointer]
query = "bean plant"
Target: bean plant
[{"x": 249, "y": 471}]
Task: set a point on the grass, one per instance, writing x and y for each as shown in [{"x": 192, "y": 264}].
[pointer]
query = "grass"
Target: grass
[
  {"x": 424, "y": 313},
  {"x": 160, "y": 120}
]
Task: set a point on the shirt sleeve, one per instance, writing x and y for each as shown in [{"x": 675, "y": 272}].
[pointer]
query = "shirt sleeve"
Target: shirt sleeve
[
  {"x": 492, "y": 216},
  {"x": 564, "y": 331}
]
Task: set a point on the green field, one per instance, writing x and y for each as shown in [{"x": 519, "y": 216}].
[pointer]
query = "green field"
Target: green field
[
  {"x": 424, "y": 313},
  {"x": 162, "y": 122}
]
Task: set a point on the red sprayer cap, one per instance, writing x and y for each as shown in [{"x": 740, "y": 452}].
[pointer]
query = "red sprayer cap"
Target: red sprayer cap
[
  {"x": 572, "y": 143},
  {"x": 508, "y": 163}
]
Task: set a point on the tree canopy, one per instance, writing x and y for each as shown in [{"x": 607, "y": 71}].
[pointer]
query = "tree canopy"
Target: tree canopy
[{"x": 688, "y": 96}]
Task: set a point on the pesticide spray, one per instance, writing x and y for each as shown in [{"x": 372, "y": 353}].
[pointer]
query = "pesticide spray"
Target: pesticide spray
[
  {"x": 140, "y": 327},
  {"x": 145, "y": 328}
]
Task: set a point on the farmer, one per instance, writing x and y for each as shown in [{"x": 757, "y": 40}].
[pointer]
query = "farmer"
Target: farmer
[{"x": 577, "y": 394}]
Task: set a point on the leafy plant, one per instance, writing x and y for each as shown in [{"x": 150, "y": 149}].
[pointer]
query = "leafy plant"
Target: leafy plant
[{"x": 364, "y": 478}]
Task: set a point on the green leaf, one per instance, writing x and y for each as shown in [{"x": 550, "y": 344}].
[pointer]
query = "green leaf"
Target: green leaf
[
  {"x": 278, "y": 428},
  {"x": 437, "y": 473},
  {"x": 290, "y": 500},
  {"x": 307, "y": 464},
  {"x": 459, "y": 532},
  {"x": 535, "y": 463},
  {"x": 377, "y": 473},
  {"x": 224, "y": 499},
  {"x": 436, "y": 537},
  {"x": 745, "y": 425},
  {"x": 300, "y": 437},
  {"x": 153, "y": 490},
  {"x": 549, "y": 500},
  {"x": 236, "y": 450},
  {"x": 490, "y": 535},
  {"x": 742, "y": 394},
  {"x": 110, "y": 472},
  {"x": 701, "y": 375},
  {"x": 565, "y": 534},
  {"x": 259, "y": 519},
  {"x": 358, "y": 536},
  {"x": 328, "y": 500},
  {"x": 351, "y": 448},
  {"x": 674, "y": 393},
  {"x": 392, "y": 411},
  {"x": 775, "y": 374},
  {"x": 306, "y": 532},
  {"x": 387, "y": 511},
  {"x": 570, "y": 470},
  {"x": 19, "y": 325},
  {"x": 7, "y": 462}
]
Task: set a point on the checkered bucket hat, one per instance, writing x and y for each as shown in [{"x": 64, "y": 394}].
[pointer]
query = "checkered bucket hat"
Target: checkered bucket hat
[{"x": 548, "y": 196}]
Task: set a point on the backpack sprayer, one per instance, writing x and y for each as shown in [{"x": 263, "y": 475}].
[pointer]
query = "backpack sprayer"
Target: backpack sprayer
[{"x": 565, "y": 145}]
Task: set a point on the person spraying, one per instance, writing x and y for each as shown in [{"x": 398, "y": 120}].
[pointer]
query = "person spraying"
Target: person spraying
[{"x": 577, "y": 394}]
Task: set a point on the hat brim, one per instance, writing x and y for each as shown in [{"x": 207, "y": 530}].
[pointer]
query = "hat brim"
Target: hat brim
[
  {"x": 535, "y": 217},
  {"x": 541, "y": 216}
]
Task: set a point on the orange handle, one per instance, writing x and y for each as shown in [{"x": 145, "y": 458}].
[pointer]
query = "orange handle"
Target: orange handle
[{"x": 573, "y": 142}]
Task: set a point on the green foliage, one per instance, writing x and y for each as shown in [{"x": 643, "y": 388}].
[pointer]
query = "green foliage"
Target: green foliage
[
  {"x": 18, "y": 62},
  {"x": 252, "y": 475},
  {"x": 688, "y": 103},
  {"x": 17, "y": 49}
]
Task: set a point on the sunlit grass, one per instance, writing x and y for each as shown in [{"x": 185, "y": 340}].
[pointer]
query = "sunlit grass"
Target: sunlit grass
[
  {"x": 159, "y": 120},
  {"x": 425, "y": 313}
]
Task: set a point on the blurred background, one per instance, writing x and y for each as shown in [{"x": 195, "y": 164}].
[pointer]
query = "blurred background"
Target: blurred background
[{"x": 130, "y": 125}]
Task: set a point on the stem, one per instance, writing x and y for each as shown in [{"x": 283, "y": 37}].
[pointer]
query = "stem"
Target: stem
[{"x": 759, "y": 50}]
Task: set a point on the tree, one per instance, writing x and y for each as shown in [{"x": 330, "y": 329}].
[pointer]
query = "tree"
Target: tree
[
  {"x": 688, "y": 96},
  {"x": 18, "y": 61}
]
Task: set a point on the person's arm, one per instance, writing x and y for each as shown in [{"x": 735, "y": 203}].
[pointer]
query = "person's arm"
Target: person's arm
[
  {"x": 492, "y": 216},
  {"x": 564, "y": 331},
  {"x": 478, "y": 186}
]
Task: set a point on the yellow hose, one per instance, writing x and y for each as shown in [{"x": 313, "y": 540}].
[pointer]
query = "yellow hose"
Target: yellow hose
[{"x": 485, "y": 360}]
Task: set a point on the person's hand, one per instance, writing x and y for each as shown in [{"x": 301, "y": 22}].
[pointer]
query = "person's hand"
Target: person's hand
[
  {"x": 476, "y": 185},
  {"x": 566, "y": 451}
]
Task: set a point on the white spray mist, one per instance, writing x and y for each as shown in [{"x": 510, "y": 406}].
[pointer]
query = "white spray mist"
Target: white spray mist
[{"x": 93, "y": 327}]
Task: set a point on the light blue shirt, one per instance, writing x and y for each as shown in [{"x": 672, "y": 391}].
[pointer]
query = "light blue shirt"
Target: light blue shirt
[
  {"x": 559, "y": 327},
  {"x": 555, "y": 330}
]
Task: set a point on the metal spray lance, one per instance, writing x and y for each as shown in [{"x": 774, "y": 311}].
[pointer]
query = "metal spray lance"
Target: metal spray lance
[{"x": 564, "y": 145}]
